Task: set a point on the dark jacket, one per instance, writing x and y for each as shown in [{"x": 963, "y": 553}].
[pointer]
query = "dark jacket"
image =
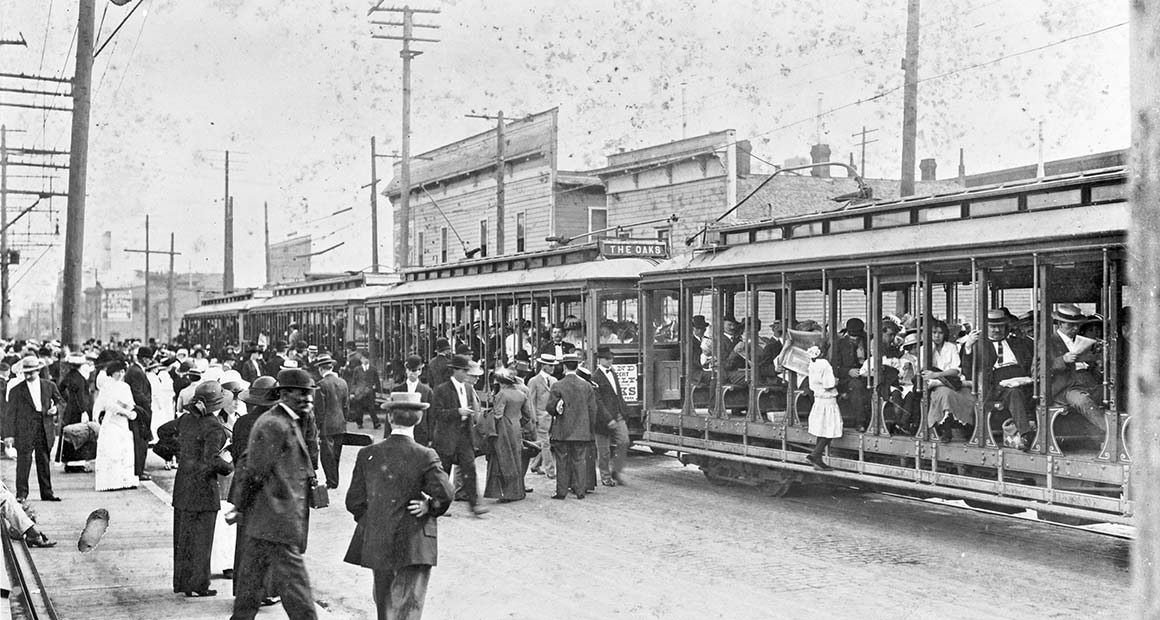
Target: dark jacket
[
  {"x": 436, "y": 372},
  {"x": 609, "y": 403},
  {"x": 251, "y": 370},
  {"x": 142, "y": 391},
  {"x": 364, "y": 384},
  {"x": 77, "y": 399},
  {"x": 1063, "y": 376},
  {"x": 387, "y": 536},
  {"x": 846, "y": 356},
  {"x": 24, "y": 423},
  {"x": 575, "y": 421},
  {"x": 990, "y": 375},
  {"x": 332, "y": 405},
  {"x": 274, "y": 365},
  {"x": 199, "y": 462},
  {"x": 425, "y": 429},
  {"x": 451, "y": 431},
  {"x": 274, "y": 492},
  {"x": 239, "y": 443}
]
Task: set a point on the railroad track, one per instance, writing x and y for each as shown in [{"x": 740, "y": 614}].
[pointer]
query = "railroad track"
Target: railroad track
[{"x": 29, "y": 599}]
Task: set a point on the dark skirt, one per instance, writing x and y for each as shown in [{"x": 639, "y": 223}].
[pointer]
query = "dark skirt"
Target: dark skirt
[
  {"x": 505, "y": 467},
  {"x": 192, "y": 545}
]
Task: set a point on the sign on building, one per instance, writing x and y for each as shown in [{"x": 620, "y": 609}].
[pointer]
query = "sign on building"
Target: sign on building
[
  {"x": 614, "y": 248},
  {"x": 117, "y": 305}
]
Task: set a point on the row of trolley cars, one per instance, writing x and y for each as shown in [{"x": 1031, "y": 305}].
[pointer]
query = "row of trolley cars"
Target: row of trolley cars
[{"x": 1029, "y": 245}]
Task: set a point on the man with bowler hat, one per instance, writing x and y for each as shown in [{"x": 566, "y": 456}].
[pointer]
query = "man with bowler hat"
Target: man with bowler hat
[
  {"x": 412, "y": 382},
  {"x": 612, "y": 420},
  {"x": 29, "y": 423},
  {"x": 330, "y": 413},
  {"x": 364, "y": 384},
  {"x": 437, "y": 369},
  {"x": 849, "y": 354},
  {"x": 1005, "y": 363},
  {"x": 274, "y": 498},
  {"x": 454, "y": 404},
  {"x": 397, "y": 490},
  {"x": 142, "y": 425},
  {"x": 259, "y": 398}
]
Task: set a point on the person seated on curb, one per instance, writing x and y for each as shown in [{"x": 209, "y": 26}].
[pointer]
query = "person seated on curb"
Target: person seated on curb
[
  {"x": 18, "y": 522},
  {"x": 1072, "y": 375}
]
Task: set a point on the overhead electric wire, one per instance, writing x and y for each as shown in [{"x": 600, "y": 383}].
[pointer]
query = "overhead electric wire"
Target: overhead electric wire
[{"x": 118, "y": 28}]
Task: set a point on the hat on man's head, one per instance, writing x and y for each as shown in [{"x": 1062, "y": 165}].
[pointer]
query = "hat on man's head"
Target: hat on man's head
[
  {"x": 289, "y": 364},
  {"x": 404, "y": 400},
  {"x": 998, "y": 315},
  {"x": 474, "y": 369},
  {"x": 855, "y": 327},
  {"x": 143, "y": 352},
  {"x": 548, "y": 359},
  {"x": 312, "y": 348},
  {"x": 413, "y": 362},
  {"x": 75, "y": 359},
  {"x": 910, "y": 340},
  {"x": 699, "y": 322},
  {"x": 463, "y": 349},
  {"x": 441, "y": 345},
  {"x": 1069, "y": 313},
  {"x": 323, "y": 360},
  {"x": 729, "y": 318},
  {"x": 295, "y": 378},
  {"x": 604, "y": 353},
  {"x": 459, "y": 362},
  {"x": 260, "y": 393},
  {"x": 30, "y": 363},
  {"x": 210, "y": 393},
  {"x": 570, "y": 357}
]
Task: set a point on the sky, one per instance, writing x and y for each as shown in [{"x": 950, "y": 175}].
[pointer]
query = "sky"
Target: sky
[{"x": 295, "y": 89}]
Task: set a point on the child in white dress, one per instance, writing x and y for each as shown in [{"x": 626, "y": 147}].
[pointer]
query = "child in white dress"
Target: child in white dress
[{"x": 825, "y": 418}]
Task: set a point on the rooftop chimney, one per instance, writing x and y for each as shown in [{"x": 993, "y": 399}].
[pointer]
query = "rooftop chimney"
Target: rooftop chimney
[
  {"x": 962, "y": 169},
  {"x": 927, "y": 168},
  {"x": 820, "y": 153},
  {"x": 852, "y": 170}
]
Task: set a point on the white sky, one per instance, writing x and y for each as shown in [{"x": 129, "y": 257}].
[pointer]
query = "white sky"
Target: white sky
[{"x": 295, "y": 89}]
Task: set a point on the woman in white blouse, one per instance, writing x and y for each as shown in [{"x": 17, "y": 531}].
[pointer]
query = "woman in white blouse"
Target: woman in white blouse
[{"x": 948, "y": 400}]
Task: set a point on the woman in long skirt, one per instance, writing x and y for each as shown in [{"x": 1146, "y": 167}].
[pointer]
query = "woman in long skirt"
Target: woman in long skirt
[
  {"x": 114, "y": 408},
  {"x": 505, "y": 470},
  {"x": 825, "y": 418},
  {"x": 196, "y": 496}
]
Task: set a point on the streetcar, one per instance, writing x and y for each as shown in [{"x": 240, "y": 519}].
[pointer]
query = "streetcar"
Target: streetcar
[{"x": 1029, "y": 247}]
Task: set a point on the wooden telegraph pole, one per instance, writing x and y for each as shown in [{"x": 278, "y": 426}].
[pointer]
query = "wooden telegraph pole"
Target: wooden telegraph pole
[
  {"x": 374, "y": 210},
  {"x": 74, "y": 239},
  {"x": 500, "y": 158},
  {"x": 909, "y": 100},
  {"x": 403, "y": 223},
  {"x": 228, "y": 248},
  {"x": 147, "y": 251},
  {"x": 1144, "y": 273}
]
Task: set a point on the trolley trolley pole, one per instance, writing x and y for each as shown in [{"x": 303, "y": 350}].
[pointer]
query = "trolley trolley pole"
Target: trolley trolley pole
[{"x": 1144, "y": 252}]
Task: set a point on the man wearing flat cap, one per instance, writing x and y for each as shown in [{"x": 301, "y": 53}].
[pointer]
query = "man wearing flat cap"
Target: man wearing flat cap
[
  {"x": 274, "y": 497},
  {"x": 1071, "y": 377},
  {"x": 1006, "y": 370},
  {"x": 397, "y": 490}
]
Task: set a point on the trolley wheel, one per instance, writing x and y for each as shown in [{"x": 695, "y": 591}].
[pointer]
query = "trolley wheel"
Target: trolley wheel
[{"x": 776, "y": 488}]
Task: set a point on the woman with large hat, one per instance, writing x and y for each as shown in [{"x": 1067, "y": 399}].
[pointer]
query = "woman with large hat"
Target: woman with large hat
[
  {"x": 196, "y": 495},
  {"x": 113, "y": 408},
  {"x": 512, "y": 411}
]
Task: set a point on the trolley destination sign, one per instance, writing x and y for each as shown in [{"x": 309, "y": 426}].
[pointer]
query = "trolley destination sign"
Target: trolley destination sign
[{"x": 637, "y": 248}]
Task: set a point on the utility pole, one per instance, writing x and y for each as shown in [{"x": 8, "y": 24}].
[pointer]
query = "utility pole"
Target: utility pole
[
  {"x": 228, "y": 267},
  {"x": 5, "y": 317},
  {"x": 169, "y": 291},
  {"x": 1144, "y": 274},
  {"x": 863, "y": 143},
  {"x": 266, "y": 247},
  {"x": 74, "y": 241},
  {"x": 909, "y": 100},
  {"x": 147, "y": 251},
  {"x": 500, "y": 163},
  {"x": 403, "y": 223},
  {"x": 374, "y": 211}
]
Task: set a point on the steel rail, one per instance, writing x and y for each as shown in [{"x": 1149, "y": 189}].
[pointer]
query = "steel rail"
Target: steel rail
[{"x": 25, "y": 578}]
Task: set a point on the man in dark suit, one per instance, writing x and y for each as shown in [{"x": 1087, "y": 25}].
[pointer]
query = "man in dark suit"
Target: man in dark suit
[
  {"x": 277, "y": 359},
  {"x": 424, "y": 429},
  {"x": 330, "y": 414},
  {"x": 1003, "y": 359},
  {"x": 437, "y": 372},
  {"x": 557, "y": 347},
  {"x": 142, "y": 425},
  {"x": 397, "y": 490},
  {"x": 364, "y": 383},
  {"x": 29, "y": 423},
  {"x": 611, "y": 421},
  {"x": 1071, "y": 377},
  {"x": 572, "y": 403},
  {"x": 273, "y": 497},
  {"x": 454, "y": 404},
  {"x": 849, "y": 354},
  {"x": 252, "y": 368}
]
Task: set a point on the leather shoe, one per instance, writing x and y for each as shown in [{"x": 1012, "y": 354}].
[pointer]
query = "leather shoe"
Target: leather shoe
[
  {"x": 50, "y": 498},
  {"x": 144, "y": 477},
  {"x": 199, "y": 593},
  {"x": 270, "y": 600},
  {"x": 559, "y": 497},
  {"x": 528, "y": 489},
  {"x": 479, "y": 511},
  {"x": 40, "y": 540},
  {"x": 579, "y": 496}
]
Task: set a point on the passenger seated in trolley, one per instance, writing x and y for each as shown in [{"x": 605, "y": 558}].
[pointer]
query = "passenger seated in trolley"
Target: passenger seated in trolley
[
  {"x": 951, "y": 404},
  {"x": 574, "y": 331},
  {"x": 899, "y": 369},
  {"x": 1071, "y": 376},
  {"x": 1005, "y": 362},
  {"x": 608, "y": 333},
  {"x": 849, "y": 355},
  {"x": 698, "y": 356},
  {"x": 737, "y": 361}
]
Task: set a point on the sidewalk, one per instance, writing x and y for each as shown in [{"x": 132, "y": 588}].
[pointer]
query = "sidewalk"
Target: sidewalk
[{"x": 130, "y": 574}]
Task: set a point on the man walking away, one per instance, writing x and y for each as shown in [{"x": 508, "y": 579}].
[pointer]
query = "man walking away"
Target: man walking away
[
  {"x": 330, "y": 414},
  {"x": 572, "y": 403},
  {"x": 397, "y": 490}
]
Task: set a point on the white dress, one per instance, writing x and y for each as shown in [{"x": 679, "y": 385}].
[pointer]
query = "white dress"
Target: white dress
[
  {"x": 162, "y": 399},
  {"x": 825, "y": 417},
  {"x": 114, "y": 465}
]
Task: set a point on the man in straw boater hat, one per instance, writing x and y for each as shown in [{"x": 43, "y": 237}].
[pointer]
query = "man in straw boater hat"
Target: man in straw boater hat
[
  {"x": 274, "y": 498},
  {"x": 572, "y": 403},
  {"x": 1006, "y": 371},
  {"x": 1070, "y": 379},
  {"x": 397, "y": 490},
  {"x": 539, "y": 389},
  {"x": 29, "y": 423},
  {"x": 453, "y": 404}
]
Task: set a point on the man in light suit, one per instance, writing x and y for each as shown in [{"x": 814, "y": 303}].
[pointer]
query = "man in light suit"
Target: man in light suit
[
  {"x": 29, "y": 423},
  {"x": 331, "y": 414},
  {"x": 539, "y": 389},
  {"x": 397, "y": 490},
  {"x": 612, "y": 426},
  {"x": 572, "y": 403},
  {"x": 453, "y": 405}
]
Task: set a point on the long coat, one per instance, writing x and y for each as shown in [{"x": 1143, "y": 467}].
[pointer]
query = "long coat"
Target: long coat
[
  {"x": 142, "y": 391},
  {"x": 505, "y": 469},
  {"x": 274, "y": 490},
  {"x": 78, "y": 400},
  {"x": 387, "y": 476},
  {"x": 332, "y": 405},
  {"x": 23, "y": 422},
  {"x": 425, "y": 429},
  {"x": 451, "y": 431},
  {"x": 199, "y": 462},
  {"x": 575, "y": 421}
]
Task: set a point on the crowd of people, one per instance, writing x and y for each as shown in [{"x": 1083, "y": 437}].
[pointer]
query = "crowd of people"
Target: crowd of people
[{"x": 247, "y": 430}]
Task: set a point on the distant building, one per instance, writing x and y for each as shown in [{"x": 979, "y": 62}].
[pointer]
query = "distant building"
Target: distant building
[
  {"x": 289, "y": 260},
  {"x": 453, "y": 199},
  {"x": 117, "y": 311}
]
